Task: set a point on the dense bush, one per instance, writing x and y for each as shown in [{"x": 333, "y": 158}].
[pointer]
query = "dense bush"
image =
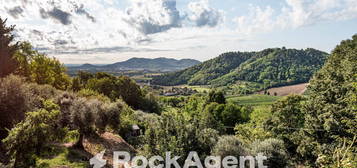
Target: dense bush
[
  {"x": 17, "y": 98},
  {"x": 331, "y": 117},
  {"x": 30, "y": 136},
  {"x": 286, "y": 121},
  {"x": 274, "y": 150},
  {"x": 174, "y": 132},
  {"x": 121, "y": 87},
  {"x": 229, "y": 146},
  {"x": 216, "y": 96},
  {"x": 14, "y": 102}
]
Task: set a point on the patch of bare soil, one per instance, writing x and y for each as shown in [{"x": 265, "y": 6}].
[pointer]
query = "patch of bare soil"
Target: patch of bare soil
[
  {"x": 286, "y": 90},
  {"x": 108, "y": 142}
]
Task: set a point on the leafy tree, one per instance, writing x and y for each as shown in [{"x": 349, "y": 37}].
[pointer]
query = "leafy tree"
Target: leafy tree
[
  {"x": 274, "y": 150},
  {"x": 330, "y": 115},
  {"x": 115, "y": 88},
  {"x": 286, "y": 120},
  {"x": 7, "y": 49},
  {"x": 254, "y": 129},
  {"x": 14, "y": 101},
  {"x": 229, "y": 146},
  {"x": 178, "y": 134},
  {"x": 150, "y": 104},
  {"x": 218, "y": 115},
  {"x": 82, "y": 118},
  {"x": 39, "y": 68},
  {"x": 216, "y": 96},
  {"x": 30, "y": 136}
]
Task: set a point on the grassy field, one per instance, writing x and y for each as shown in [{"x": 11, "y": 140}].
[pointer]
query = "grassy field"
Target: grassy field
[
  {"x": 254, "y": 100},
  {"x": 198, "y": 88},
  {"x": 63, "y": 157}
]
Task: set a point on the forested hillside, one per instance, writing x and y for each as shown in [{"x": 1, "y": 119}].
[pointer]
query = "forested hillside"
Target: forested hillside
[{"x": 270, "y": 67}]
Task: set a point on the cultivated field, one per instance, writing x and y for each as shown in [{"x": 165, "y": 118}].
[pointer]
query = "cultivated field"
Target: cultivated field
[
  {"x": 286, "y": 90},
  {"x": 253, "y": 100}
]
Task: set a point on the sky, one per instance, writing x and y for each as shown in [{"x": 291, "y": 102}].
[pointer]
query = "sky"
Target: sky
[{"x": 108, "y": 31}]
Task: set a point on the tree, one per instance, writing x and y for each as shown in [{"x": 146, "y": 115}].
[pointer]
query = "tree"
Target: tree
[
  {"x": 82, "y": 118},
  {"x": 274, "y": 150},
  {"x": 286, "y": 120},
  {"x": 229, "y": 146},
  {"x": 176, "y": 133},
  {"x": 45, "y": 70},
  {"x": 330, "y": 115},
  {"x": 7, "y": 49},
  {"x": 39, "y": 68},
  {"x": 18, "y": 97},
  {"x": 216, "y": 96},
  {"x": 114, "y": 87},
  {"x": 14, "y": 101},
  {"x": 30, "y": 136}
]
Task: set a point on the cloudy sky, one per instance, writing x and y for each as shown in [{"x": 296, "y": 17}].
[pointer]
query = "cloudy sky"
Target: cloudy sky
[{"x": 106, "y": 31}]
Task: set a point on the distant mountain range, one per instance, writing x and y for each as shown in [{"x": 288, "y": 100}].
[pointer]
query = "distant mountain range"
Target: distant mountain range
[
  {"x": 157, "y": 64},
  {"x": 266, "y": 68}
]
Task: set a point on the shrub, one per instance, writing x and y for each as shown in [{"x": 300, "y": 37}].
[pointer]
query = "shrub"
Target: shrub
[
  {"x": 274, "y": 149},
  {"x": 229, "y": 146},
  {"x": 30, "y": 136},
  {"x": 14, "y": 102},
  {"x": 91, "y": 94}
]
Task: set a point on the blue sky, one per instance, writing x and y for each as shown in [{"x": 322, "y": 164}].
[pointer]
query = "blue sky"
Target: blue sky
[{"x": 106, "y": 31}]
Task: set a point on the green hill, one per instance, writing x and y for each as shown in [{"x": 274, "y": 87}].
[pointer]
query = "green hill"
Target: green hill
[{"x": 270, "y": 67}]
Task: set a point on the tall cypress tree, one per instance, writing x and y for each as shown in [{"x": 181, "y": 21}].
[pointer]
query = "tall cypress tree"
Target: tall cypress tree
[{"x": 7, "y": 49}]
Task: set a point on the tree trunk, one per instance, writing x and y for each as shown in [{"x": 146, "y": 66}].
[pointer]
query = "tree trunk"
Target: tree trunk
[{"x": 79, "y": 144}]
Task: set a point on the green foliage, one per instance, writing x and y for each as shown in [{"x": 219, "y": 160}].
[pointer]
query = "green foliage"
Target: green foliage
[
  {"x": 175, "y": 102},
  {"x": 253, "y": 100},
  {"x": 62, "y": 157},
  {"x": 229, "y": 146},
  {"x": 17, "y": 98},
  {"x": 286, "y": 121},
  {"x": 121, "y": 87},
  {"x": 216, "y": 96},
  {"x": 174, "y": 132},
  {"x": 91, "y": 94},
  {"x": 270, "y": 67},
  {"x": 228, "y": 115},
  {"x": 39, "y": 68},
  {"x": 150, "y": 104},
  {"x": 7, "y": 49},
  {"x": 30, "y": 136},
  {"x": 330, "y": 115},
  {"x": 274, "y": 150},
  {"x": 202, "y": 73},
  {"x": 13, "y": 102},
  {"x": 254, "y": 130}
]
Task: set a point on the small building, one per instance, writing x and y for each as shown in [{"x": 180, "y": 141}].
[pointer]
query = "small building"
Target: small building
[
  {"x": 135, "y": 130},
  {"x": 170, "y": 94}
]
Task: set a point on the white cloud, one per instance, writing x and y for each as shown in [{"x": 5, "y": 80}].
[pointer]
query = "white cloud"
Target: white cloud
[
  {"x": 153, "y": 16},
  {"x": 70, "y": 25},
  {"x": 204, "y": 15},
  {"x": 259, "y": 19},
  {"x": 296, "y": 13}
]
